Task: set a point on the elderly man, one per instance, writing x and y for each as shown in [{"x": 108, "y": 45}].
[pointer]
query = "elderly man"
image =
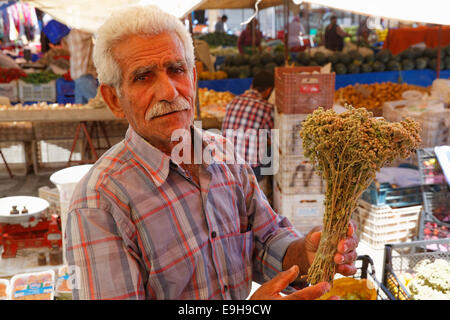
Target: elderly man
[{"x": 147, "y": 222}]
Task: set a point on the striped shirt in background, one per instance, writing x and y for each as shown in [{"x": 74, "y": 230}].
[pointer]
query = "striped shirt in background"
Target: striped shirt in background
[
  {"x": 140, "y": 228},
  {"x": 246, "y": 112},
  {"x": 81, "y": 49}
]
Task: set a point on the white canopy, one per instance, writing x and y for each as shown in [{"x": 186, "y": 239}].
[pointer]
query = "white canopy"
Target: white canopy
[
  {"x": 89, "y": 15},
  {"x": 429, "y": 11}
]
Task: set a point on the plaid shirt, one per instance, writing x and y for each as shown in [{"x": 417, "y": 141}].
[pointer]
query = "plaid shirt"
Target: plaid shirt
[
  {"x": 245, "y": 112},
  {"x": 81, "y": 49},
  {"x": 140, "y": 228}
]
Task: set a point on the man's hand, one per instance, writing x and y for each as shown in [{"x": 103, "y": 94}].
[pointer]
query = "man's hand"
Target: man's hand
[
  {"x": 345, "y": 255},
  {"x": 272, "y": 288}
]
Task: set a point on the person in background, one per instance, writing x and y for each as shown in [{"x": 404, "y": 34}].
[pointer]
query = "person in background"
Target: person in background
[
  {"x": 363, "y": 31},
  {"x": 149, "y": 223},
  {"x": 58, "y": 55},
  {"x": 245, "y": 41},
  {"x": 251, "y": 112},
  {"x": 334, "y": 35},
  {"x": 296, "y": 29},
  {"x": 82, "y": 69},
  {"x": 221, "y": 25}
]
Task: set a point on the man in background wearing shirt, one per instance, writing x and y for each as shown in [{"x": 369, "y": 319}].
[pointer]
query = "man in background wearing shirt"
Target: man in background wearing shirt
[
  {"x": 248, "y": 116},
  {"x": 82, "y": 69}
]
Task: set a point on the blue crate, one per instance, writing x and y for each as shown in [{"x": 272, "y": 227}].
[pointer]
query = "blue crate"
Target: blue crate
[
  {"x": 393, "y": 197},
  {"x": 55, "y": 31},
  {"x": 64, "y": 87},
  {"x": 63, "y": 99}
]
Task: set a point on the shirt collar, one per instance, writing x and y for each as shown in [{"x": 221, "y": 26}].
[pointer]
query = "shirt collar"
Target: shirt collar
[{"x": 157, "y": 163}]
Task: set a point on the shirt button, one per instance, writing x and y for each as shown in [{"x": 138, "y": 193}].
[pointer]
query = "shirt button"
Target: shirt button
[{"x": 213, "y": 234}]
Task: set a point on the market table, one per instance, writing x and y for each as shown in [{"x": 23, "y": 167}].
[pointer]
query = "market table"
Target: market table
[{"x": 83, "y": 116}]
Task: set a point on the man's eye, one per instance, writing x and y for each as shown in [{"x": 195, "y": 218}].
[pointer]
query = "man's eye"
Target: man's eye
[
  {"x": 178, "y": 70},
  {"x": 143, "y": 77}
]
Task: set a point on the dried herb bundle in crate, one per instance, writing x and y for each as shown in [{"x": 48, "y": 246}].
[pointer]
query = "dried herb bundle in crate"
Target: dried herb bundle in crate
[{"x": 347, "y": 150}]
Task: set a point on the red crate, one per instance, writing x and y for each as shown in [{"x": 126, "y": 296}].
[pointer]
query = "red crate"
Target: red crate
[{"x": 299, "y": 90}]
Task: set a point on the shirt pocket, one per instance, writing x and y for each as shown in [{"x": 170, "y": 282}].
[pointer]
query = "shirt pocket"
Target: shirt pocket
[{"x": 240, "y": 247}]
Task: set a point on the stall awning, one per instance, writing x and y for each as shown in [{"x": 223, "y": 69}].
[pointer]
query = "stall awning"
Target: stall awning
[
  {"x": 89, "y": 15},
  {"x": 237, "y": 4},
  {"x": 429, "y": 11}
]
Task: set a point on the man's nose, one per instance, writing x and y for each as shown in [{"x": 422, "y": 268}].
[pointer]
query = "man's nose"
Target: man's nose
[{"x": 165, "y": 88}]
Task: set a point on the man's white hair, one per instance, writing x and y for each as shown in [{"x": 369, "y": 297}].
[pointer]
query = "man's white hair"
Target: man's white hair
[{"x": 141, "y": 20}]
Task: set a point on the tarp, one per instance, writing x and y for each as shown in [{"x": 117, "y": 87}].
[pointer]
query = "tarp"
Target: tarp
[
  {"x": 237, "y": 4},
  {"x": 429, "y": 11},
  {"x": 89, "y": 15}
]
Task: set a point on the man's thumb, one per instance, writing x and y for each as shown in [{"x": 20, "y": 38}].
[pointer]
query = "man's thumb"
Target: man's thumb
[{"x": 284, "y": 278}]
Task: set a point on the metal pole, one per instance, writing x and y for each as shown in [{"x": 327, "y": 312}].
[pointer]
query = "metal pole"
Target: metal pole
[
  {"x": 438, "y": 64},
  {"x": 197, "y": 102},
  {"x": 286, "y": 30}
]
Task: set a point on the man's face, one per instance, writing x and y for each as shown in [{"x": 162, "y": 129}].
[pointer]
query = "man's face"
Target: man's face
[{"x": 155, "y": 78}]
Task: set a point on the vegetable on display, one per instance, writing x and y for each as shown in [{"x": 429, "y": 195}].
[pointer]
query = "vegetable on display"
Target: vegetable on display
[{"x": 347, "y": 150}]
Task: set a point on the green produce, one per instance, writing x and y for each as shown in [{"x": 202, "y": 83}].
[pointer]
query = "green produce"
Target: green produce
[
  {"x": 334, "y": 58},
  {"x": 383, "y": 55},
  {"x": 366, "y": 67},
  {"x": 303, "y": 58},
  {"x": 407, "y": 64},
  {"x": 228, "y": 60},
  {"x": 266, "y": 58},
  {"x": 417, "y": 52},
  {"x": 313, "y": 63},
  {"x": 353, "y": 68},
  {"x": 40, "y": 77},
  {"x": 219, "y": 39},
  {"x": 430, "y": 52},
  {"x": 345, "y": 58},
  {"x": 340, "y": 68},
  {"x": 279, "y": 59},
  {"x": 397, "y": 57},
  {"x": 431, "y": 281},
  {"x": 239, "y": 59},
  {"x": 270, "y": 67},
  {"x": 407, "y": 54},
  {"x": 244, "y": 71},
  {"x": 369, "y": 58},
  {"x": 320, "y": 58},
  {"x": 394, "y": 65},
  {"x": 378, "y": 66},
  {"x": 255, "y": 60},
  {"x": 256, "y": 69},
  {"x": 355, "y": 56},
  {"x": 421, "y": 63},
  {"x": 433, "y": 64},
  {"x": 447, "y": 50}
]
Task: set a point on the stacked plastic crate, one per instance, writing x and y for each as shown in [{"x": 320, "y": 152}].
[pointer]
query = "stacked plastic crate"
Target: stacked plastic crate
[{"x": 298, "y": 190}]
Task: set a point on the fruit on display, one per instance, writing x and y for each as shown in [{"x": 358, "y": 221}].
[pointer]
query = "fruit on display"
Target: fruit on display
[
  {"x": 211, "y": 97},
  {"x": 363, "y": 60},
  {"x": 246, "y": 66},
  {"x": 217, "y": 75},
  {"x": 44, "y": 106},
  {"x": 219, "y": 39},
  {"x": 372, "y": 96},
  {"x": 10, "y": 74}
]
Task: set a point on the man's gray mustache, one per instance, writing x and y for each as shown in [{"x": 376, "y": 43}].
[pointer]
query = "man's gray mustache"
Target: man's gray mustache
[{"x": 164, "y": 107}]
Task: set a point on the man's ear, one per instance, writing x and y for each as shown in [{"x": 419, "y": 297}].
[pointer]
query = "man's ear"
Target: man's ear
[{"x": 109, "y": 94}]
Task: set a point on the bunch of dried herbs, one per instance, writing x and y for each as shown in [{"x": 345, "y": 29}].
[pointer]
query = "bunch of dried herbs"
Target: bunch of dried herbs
[{"x": 347, "y": 150}]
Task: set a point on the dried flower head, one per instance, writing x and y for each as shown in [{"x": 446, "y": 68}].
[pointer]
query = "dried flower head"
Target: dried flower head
[{"x": 347, "y": 150}]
